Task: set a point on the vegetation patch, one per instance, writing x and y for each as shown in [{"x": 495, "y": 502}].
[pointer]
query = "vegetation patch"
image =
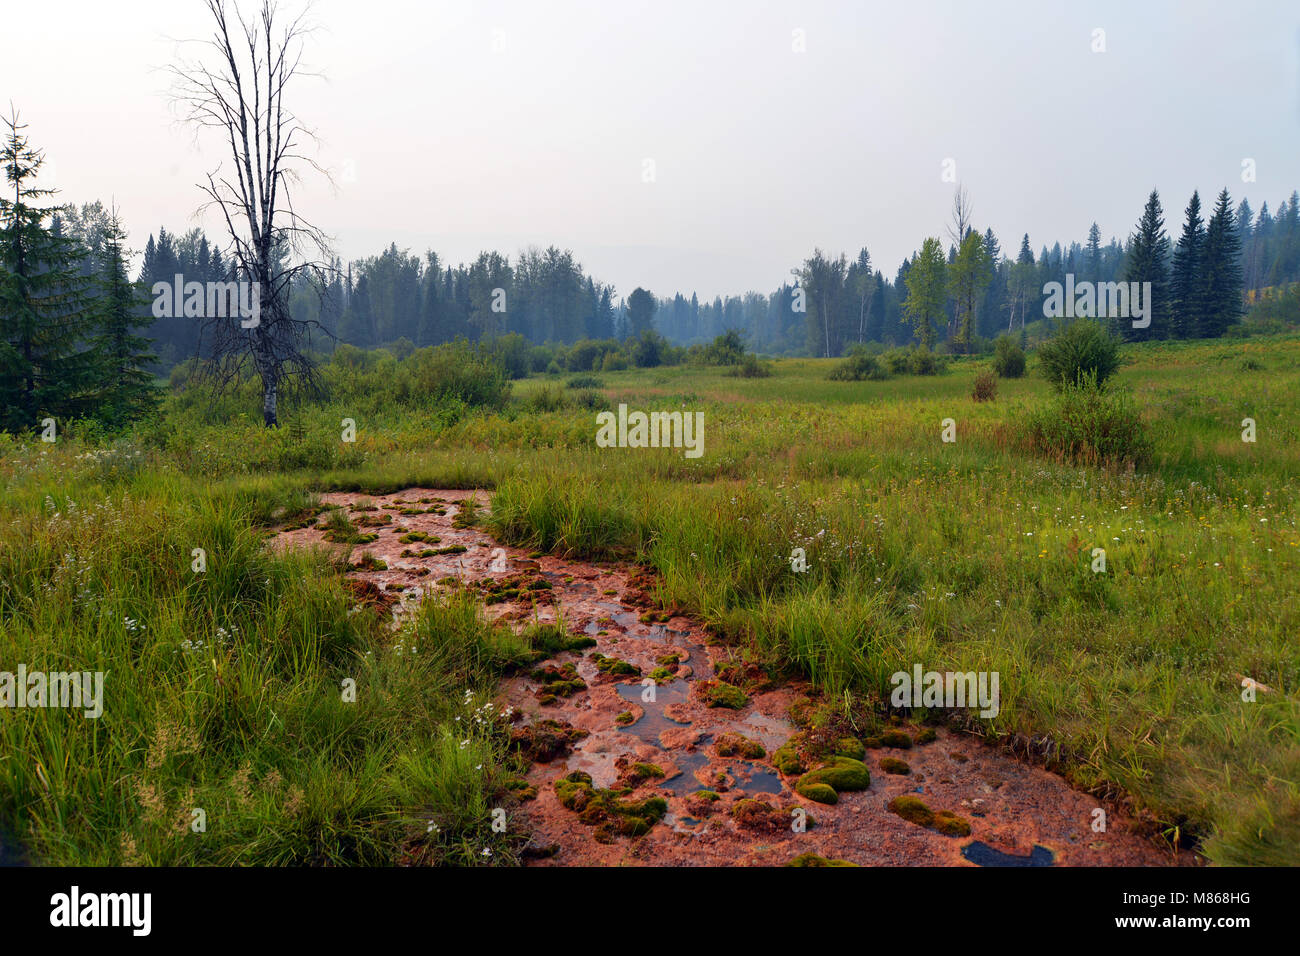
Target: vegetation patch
[
  {"x": 914, "y": 810},
  {"x": 604, "y": 809}
]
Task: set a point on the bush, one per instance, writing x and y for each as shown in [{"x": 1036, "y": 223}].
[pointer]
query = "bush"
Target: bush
[
  {"x": 924, "y": 362},
  {"x": 1008, "y": 358},
  {"x": 727, "y": 349},
  {"x": 986, "y": 387},
  {"x": 451, "y": 371},
  {"x": 859, "y": 365},
  {"x": 649, "y": 350},
  {"x": 1081, "y": 350},
  {"x": 1091, "y": 425},
  {"x": 585, "y": 381},
  {"x": 614, "y": 362},
  {"x": 751, "y": 367}
]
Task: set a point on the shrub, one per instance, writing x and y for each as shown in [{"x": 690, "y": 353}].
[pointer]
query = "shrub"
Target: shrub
[
  {"x": 585, "y": 381},
  {"x": 751, "y": 367},
  {"x": 859, "y": 365},
  {"x": 727, "y": 349},
  {"x": 614, "y": 362},
  {"x": 1081, "y": 349},
  {"x": 1091, "y": 425},
  {"x": 924, "y": 362},
  {"x": 452, "y": 371},
  {"x": 1008, "y": 358},
  {"x": 986, "y": 387}
]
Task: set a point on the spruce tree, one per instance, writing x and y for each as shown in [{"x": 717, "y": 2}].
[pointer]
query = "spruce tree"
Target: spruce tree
[
  {"x": 1222, "y": 280},
  {"x": 127, "y": 390},
  {"x": 47, "y": 365},
  {"x": 1187, "y": 286},
  {"x": 1147, "y": 259}
]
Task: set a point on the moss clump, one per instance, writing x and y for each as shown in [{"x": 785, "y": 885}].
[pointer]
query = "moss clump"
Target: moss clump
[
  {"x": 411, "y": 537},
  {"x": 662, "y": 675},
  {"x": 787, "y": 760},
  {"x": 368, "y": 562},
  {"x": 894, "y": 765},
  {"x": 544, "y": 740},
  {"x": 813, "y": 859},
  {"x": 451, "y": 549},
  {"x": 668, "y": 660},
  {"x": 820, "y": 792},
  {"x": 373, "y": 521},
  {"x": 639, "y": 773},
  {"x": 653, "y": 617},
  {"x": 521, "y": 788},
  {"x": 625, "y": 718},
  {"x": 603, "y": 809},
  {"x": 562, "y": 681},
  {"x": 927, "y": 736},
  {"x": 896, "y": 738},
  {"x": 717, "y": 693},
  {"x": 708, "y": 796},
  {"x": 842, "y": 774},
  {"x": 614, "y": 667},
  {"x": 914, "y": 810},
  {"x": 751, "y": 814},
  {"x": 850, "y": 747},
  {"x": 737, "y": 745}
]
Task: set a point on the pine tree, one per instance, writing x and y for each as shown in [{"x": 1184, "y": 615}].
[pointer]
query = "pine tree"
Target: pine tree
[
  {"x": 1221, "y": 291},
  {"x": 1186, "y": 285},
  {"x": 1148, "y": 255},
  {"x": 47, "y": 368},
  {"x": 126, "y": 390},
  {"x": 926, "y": 284}
]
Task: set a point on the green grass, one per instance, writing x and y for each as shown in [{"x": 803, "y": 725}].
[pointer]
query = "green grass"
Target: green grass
[{"x": 974, "y": 555}]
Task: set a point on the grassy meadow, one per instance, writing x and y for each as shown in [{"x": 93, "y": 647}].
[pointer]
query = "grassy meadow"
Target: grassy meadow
[{"x": 223, "y": 687}]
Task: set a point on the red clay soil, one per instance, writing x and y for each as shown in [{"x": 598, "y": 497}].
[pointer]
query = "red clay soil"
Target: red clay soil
[{"x": 1011, "y": 806}]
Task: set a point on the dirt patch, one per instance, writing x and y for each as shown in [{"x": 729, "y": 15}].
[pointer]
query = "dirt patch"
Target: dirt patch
[{"x": 652, "y": 693}]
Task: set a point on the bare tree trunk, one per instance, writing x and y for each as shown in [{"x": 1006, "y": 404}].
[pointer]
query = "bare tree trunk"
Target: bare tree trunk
[{"x": 241, "y": 96}]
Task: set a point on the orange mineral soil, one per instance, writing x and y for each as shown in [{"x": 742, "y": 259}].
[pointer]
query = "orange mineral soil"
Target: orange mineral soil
[{"x": 1017, "y": 811}]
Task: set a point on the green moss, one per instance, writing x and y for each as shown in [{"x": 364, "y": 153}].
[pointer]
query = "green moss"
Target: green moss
[
  {"x": 368, "y": 562},
  {"x": 707, "y": 795},
  {"x": 662, "y": 675},
  {"x": 719, "y": 694},
  {"x": 813, "y": 859},
  {"x": 927, "y": 736},
  {"x": 850, "y": 747},
  {"x": 842, "y": 774},
  {"x": 813, "y": 790},
  {"x": 560, "y": 681},
  {"x": 752, "y": 814},
  {"x": 451, "y": 549},
  {"x": 605, "y": 810},
  {"x": 615, "y": 667},
  {"x": 625, "y": 718},
  {"x": 949, "y": 824},
  {"x": 737, "y": 745},
  {"x": 894, "y": 765},
  {"x": 786, "y": 759},
  {"x": 896, "y": 738},
  {"x": 668, "y": 660},
  {"x": 641, "y": 772},
  {"x": 413, "y": 536},
  {"x": 914, "y": 810}
]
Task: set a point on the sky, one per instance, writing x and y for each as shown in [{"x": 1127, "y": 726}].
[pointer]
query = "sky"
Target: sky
[{"x": 703, "y": 146}]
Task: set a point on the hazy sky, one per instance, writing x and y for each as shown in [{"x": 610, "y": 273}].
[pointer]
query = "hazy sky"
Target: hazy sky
[{"x": 463, "y": 126}]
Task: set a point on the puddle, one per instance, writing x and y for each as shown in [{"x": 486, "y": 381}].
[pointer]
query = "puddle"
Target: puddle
[
  {"x": 981, "y": 854},
  {"x": 654, "y": 722},
  {"x": 686, "y": 782},
  {"x": 755, "y": 778}
]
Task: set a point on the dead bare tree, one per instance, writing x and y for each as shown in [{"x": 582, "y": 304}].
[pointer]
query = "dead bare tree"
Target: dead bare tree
[{"x": 237, "y": 88}]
